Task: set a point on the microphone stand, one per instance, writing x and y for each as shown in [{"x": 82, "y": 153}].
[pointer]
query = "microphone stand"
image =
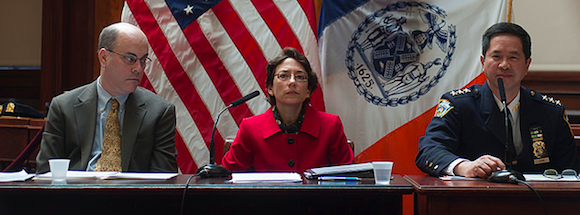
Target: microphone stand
[
  {"x": 507, "y": 175},
  {"x": 213, "y": 170}
]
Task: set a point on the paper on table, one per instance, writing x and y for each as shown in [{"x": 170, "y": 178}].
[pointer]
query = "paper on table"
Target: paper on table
[
  {"x": 266, "y": 177},
  {"x": 15, "y": 176},
  {"x": 140, "y": 175},
  {"x": 540, "y": 177},
  {"x": 459, "y": 178},
  {"x": 110, "y": 175},
  {"x": 77, "y": 175},
  {"x": 529, "y": 177}
]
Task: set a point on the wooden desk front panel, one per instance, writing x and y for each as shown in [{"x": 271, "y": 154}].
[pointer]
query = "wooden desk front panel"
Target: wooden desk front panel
[{"x": 435, "y": 196}]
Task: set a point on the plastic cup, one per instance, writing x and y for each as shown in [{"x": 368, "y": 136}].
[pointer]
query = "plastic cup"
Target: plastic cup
[
  {"x": 382, "y": 171},
  {"x": 58, "y": 168}
]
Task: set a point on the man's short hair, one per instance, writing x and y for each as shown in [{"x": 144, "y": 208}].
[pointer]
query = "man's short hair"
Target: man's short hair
[
  {"x": 507, "y": 28},
  {"x": 108, "y": 37}
]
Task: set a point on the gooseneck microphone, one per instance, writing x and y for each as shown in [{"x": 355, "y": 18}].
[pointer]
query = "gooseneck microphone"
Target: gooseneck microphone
[
  {"x": 507, "y": 175},
  {"x": 243, "y": 99},
  {"x": 508, "y": 135},
  {"x": 213, "y": 170}
]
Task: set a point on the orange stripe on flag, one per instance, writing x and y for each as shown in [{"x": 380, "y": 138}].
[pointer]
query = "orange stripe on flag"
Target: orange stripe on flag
[{"x": 401, "y": 145}]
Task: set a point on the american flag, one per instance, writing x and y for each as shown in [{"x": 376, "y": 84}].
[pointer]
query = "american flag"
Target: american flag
[{"x": 208, "y": 53}]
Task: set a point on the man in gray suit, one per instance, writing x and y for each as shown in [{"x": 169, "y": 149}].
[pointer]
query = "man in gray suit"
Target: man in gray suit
[{"x": 76, "y": 120}]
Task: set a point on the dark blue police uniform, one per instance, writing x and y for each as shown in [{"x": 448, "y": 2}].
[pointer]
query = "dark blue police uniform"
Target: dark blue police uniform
[{"x": 469, "y": 124}]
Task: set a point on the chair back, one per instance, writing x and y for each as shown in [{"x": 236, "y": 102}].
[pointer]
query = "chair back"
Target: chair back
[{"x": 18, "y": 162}]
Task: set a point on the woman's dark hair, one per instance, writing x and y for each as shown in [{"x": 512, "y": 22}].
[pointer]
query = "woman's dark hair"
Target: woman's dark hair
[{"x": 290, "y": 52}]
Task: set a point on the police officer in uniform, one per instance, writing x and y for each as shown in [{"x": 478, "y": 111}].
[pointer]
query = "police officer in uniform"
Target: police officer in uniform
[{"x": 467, "y": 135}]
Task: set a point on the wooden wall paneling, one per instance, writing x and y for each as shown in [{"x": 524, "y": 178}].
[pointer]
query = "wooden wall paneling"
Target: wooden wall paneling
[
  {"x": 106, "y": 12},
  {"x": 52, "y": 44},
  {"x": 22, "y": 85},
  {"x": 70, "y": 31},
  {"x": 67, "y": 36},
  {"x": 78, "y": 36},
  {"x": 564, "y": 86}
]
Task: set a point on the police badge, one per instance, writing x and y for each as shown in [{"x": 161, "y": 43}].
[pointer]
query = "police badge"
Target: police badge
[
  {"x": 540, "y": 153},
  {"x": 391, "y": 57}
]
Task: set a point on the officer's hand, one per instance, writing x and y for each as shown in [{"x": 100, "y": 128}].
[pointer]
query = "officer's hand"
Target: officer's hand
[{"x": 482, "y": 167}]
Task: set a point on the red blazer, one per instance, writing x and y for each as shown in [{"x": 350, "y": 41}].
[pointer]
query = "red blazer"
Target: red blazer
[{"x": 261, "y": 146}]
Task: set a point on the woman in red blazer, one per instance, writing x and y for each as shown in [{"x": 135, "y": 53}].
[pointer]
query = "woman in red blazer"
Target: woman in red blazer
[{"x": 291, "y": 136}]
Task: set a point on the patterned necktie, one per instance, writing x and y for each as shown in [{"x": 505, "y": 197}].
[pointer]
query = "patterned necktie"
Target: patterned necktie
[{"x": 110, "y": 159}]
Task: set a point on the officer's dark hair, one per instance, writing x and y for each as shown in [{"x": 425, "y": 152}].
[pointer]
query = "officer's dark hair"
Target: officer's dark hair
[
  {"x": 507, "y": 28},
  {"x": 290, "y": 52}
]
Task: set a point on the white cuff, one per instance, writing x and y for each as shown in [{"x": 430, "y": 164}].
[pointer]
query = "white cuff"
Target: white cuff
[{"x": 449, "y": 169}]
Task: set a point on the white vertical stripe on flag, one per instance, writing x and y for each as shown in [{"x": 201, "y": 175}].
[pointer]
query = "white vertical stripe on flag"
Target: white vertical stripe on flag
[
  {"x": 198, "y": 76},
  {"x": 258, "y": 28},
  {"x": 184, "y": 123},
  {"x": 298, "y": 21},
  {"x": 234, "y": 62},
  {"x": 194, "y": 69}
]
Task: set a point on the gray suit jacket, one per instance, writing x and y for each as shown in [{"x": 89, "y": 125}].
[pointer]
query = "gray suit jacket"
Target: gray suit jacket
[{"x": 147, "y": 142}]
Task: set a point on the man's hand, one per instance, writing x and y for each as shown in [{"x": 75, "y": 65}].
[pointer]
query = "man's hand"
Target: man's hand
[{"x": 482, "y": 167}]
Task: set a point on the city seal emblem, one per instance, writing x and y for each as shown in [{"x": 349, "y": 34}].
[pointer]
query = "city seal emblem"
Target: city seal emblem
[{"x": 392, "y": 58}]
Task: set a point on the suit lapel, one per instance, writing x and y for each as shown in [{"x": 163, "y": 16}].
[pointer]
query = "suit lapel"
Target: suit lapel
[
  {"x": 134, "y": 114},
  {"x": 311, "y": 125},
  {"x": 85, "y": 119}
]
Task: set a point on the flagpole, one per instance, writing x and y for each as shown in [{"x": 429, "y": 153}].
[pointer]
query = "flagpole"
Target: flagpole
[{"x": 509, "y": 15}]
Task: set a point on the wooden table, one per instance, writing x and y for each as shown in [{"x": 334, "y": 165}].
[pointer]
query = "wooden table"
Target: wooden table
[
  {"x": 435, "y": 196},
  {"x": 204, "y": 196}
]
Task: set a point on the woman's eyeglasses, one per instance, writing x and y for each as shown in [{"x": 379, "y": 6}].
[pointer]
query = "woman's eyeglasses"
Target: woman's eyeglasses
[{"x": 287, "y": 76}]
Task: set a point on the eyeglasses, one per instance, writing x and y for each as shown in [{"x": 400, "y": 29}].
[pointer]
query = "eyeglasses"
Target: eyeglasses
[
  {"x": 131, "y": 59},
  {"x": 552, "y": 173},
  {"x": 287, "y": 76}
]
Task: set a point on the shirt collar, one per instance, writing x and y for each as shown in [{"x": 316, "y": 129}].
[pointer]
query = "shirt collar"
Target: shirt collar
[
  {"x": 103, "y": 96},
  {"x": 514, "y": 106}
]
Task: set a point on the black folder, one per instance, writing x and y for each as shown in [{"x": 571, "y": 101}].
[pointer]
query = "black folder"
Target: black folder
[{"x": 361, "y": 170}]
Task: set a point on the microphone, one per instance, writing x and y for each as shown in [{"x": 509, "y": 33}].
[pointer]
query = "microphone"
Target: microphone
[
  {"x": 244, "y": 99},
  {"x": 213, "y": 170},
  {"x": 501, "y": 92},
  {"x": 507, "y": 175}
]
